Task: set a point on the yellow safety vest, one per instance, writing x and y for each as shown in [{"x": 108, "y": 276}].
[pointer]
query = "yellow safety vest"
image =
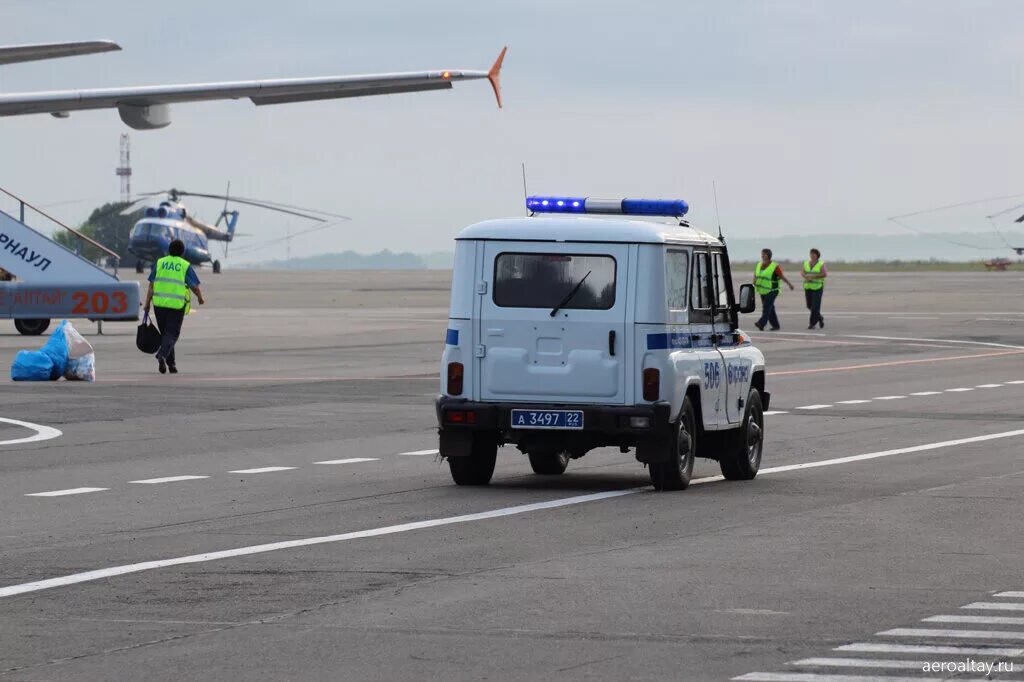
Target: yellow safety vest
[
  {"x": 765, "y": 281},
  {"x": 813, "y": 284},
  {"x": 169, "y": 290}
]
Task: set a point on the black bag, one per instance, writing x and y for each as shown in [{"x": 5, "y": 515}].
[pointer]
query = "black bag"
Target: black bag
[{"x": 147, "y": 337}]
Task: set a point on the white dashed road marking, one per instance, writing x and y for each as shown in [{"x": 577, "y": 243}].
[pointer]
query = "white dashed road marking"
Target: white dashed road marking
[
  {"x": 988, "y": 386},
  {"x": 125, "y": 569},
  {"x": 813, "y": 407},
  {"x": 42, "y": 432},
  {"x": 860, "y": 663},
  {"x": 350, "y": 460},
  {"x": 958, "y": 390},
  {"x": 890, "y": 397},
  {"x": 169, "y": 479},
  {"x": 955, "y": 634},
  {"x": 853, "y": 402},
  {"x": 260, "y": 470},
  {"x": 69, "y": 491},
  {"x": 922, "y": 393},
  {"x": 771, "y": 412},
  {"x": 419, "y": 453},
  {"x": 1010, "y": 595},
  {"x": 977, "y": 620},
  {"x": 995, "y": 606}
]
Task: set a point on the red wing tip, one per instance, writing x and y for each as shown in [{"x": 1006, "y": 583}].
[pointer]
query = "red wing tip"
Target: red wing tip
[{"x": 494, "y": 75}]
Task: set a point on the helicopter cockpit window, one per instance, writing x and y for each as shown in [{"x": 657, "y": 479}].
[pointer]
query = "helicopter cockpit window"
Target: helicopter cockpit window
[{"x": 152, "y": 230}]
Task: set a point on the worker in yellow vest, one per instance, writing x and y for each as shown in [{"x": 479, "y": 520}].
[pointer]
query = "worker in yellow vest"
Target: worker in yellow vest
[
  {"x": 814, "y": 287},
  {"x": 767, "y": 274},
  {"x": 170, "y": 284}
]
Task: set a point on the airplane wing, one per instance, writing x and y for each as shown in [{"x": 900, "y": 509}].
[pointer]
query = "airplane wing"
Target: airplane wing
[
  {"x": 12, "y": 54},
  {"x": 148, "y": 107}
]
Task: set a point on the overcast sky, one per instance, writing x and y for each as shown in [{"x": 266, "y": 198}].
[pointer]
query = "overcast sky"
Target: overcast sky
[{"x": 811, "y": 116}]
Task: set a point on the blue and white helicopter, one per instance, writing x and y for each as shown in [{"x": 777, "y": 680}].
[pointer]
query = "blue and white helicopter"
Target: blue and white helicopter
[{"x": 165, "y": 218}]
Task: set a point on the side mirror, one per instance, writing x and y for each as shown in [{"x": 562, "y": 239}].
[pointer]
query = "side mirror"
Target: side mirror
[{"x": 747, "y": 300}]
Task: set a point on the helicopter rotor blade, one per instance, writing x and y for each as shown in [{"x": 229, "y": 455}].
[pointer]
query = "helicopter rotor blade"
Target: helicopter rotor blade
[{"x": 290, "y": 209}]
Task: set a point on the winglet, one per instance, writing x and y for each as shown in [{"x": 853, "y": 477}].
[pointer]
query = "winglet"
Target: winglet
[{"x": 494, "y": 75}]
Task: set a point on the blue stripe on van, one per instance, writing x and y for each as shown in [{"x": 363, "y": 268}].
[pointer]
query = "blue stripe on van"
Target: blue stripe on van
[
  {"x": 452, "y": 337},
  {"x": 666, "y": 341}
]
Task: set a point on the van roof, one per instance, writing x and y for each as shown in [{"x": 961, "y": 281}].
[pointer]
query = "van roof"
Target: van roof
[{"x": 585, "y": 229}]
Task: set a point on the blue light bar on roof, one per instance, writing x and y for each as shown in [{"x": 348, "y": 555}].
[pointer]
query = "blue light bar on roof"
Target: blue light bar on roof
[{"x": 675, "y": 208}]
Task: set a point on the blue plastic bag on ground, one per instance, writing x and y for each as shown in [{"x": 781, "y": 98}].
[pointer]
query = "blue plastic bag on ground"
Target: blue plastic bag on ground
[
  {"x": 57, "y": 348},
  {"x": 32, "y": 365}
]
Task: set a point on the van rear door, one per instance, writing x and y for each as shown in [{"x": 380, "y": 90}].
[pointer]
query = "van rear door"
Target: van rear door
[{"x": 576, "y": 355}]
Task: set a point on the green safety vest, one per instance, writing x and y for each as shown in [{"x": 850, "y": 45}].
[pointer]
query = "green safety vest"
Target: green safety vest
[
  {"x": 765, "y": 280},
  {"x": 169, "y": 290},
  {"x": 813, "y": 284}
]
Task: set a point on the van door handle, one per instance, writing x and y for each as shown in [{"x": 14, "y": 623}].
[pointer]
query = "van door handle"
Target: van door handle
[{"x": 611, "y": 343}]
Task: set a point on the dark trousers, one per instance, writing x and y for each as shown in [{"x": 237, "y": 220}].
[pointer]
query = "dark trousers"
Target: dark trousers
[
  {"x": 814, "y": 305},
  {"x": 768, "y": 314},
  {"x": 169, "y": 321}
]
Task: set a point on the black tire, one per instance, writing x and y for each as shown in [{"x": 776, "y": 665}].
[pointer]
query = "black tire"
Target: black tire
[
  {"x": 549, "y": 463},
  {"x": 741, "y": 454},
  {"x": 478, "y": 467},
  {"x": 31, "y": 327},
  {"x": 216, "y": 267},
  {"x": 675, "y": 472},
  {"x": 139, "y": 266}
]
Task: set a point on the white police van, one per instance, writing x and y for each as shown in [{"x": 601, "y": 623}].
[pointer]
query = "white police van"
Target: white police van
[{"x": 568, "y": 333}]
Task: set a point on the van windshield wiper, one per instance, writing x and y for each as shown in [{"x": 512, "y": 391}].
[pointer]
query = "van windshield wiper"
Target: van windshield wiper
[{"x": 568, "y": 296}]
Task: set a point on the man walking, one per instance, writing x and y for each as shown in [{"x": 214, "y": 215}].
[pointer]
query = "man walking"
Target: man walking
[
  {"x": 814, "y": 287},
  {"x": 170, "y": 282},
  {"x": 766, "y": 282}
]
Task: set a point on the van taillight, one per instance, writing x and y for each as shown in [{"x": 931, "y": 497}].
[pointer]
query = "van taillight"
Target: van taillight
[
  {"x": 455, "y": 372},
  {"x": 652, "y": 384}
]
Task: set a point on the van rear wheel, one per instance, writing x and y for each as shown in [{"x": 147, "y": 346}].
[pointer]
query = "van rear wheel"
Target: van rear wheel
[
  {"x": 477, "y": 467},
  {"x": 548, "y": 462},
  {"x": 31, "y": 327},
  {"x": 675, "y": 471},
  {"x": 741, "y": 456}
]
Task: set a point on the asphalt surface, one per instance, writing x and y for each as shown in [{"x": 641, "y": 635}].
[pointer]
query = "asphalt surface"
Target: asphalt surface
[{"x": 284, "y": 372}]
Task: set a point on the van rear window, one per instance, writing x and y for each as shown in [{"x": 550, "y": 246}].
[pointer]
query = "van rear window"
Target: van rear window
[{"x": 543, "y": 280}]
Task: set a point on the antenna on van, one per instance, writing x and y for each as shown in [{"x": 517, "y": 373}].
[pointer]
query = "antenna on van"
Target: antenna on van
[
  {"x": 525, "y": 194},
  {"x": 718, "y": 216}
]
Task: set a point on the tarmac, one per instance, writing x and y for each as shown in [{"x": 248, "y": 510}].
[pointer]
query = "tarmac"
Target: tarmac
[{"x": 277, "y": 510}]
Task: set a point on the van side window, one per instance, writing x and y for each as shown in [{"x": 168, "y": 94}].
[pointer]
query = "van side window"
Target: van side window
[
  {"x": 677, "y": 277},
  {"x": 701, "y": 292},
  {"x": 543, "y": 280},
  {"x": 721, "y": 288}
]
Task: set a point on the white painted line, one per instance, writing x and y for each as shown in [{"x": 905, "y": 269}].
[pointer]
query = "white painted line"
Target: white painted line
[
  {"x": 860, "y": 663},
  {"x": 988, "y": 385},
  {"x": 905, "y": 338},
  {"x": 419, "y": 453},
  {"x": 101, "y": 573},
  {"x": 813, "y": 407},
  {"x": 890, "y": 397},
  {"x": 853, "y": 402},
  {"x": 42, "y": 432},
  {"x": 956, "y": 634},
  {"x": 170, "y": 479},
  {"x": 260, "y": 470},
  {"x": 881, "y": 648},
  {"x": 815, "y": 677},
  {"x": 1015, "y": 382},
  {"x": 770, "y": 412},
  {"x": 977, "y": 620},
  {"x": 927, "y": 393},
  {"x": 958, "y": 390},
  {"x": 1010, "y": 595},
  {"x": 350, "y": 460},
  {"x": 995, "y": 606},
  {"x": 69, "y": 491}
]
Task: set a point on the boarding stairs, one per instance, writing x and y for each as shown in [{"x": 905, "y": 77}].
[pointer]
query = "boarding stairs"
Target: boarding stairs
[{"x": 42, "y": 280}]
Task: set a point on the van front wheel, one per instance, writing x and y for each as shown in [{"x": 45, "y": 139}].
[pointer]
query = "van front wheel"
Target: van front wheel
[
  {"x": 477, "y": 467},
  {"x": 674, "y": 471},
  {"x": 548, "y": 462},
  {"x": 742, "y": 453}
]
